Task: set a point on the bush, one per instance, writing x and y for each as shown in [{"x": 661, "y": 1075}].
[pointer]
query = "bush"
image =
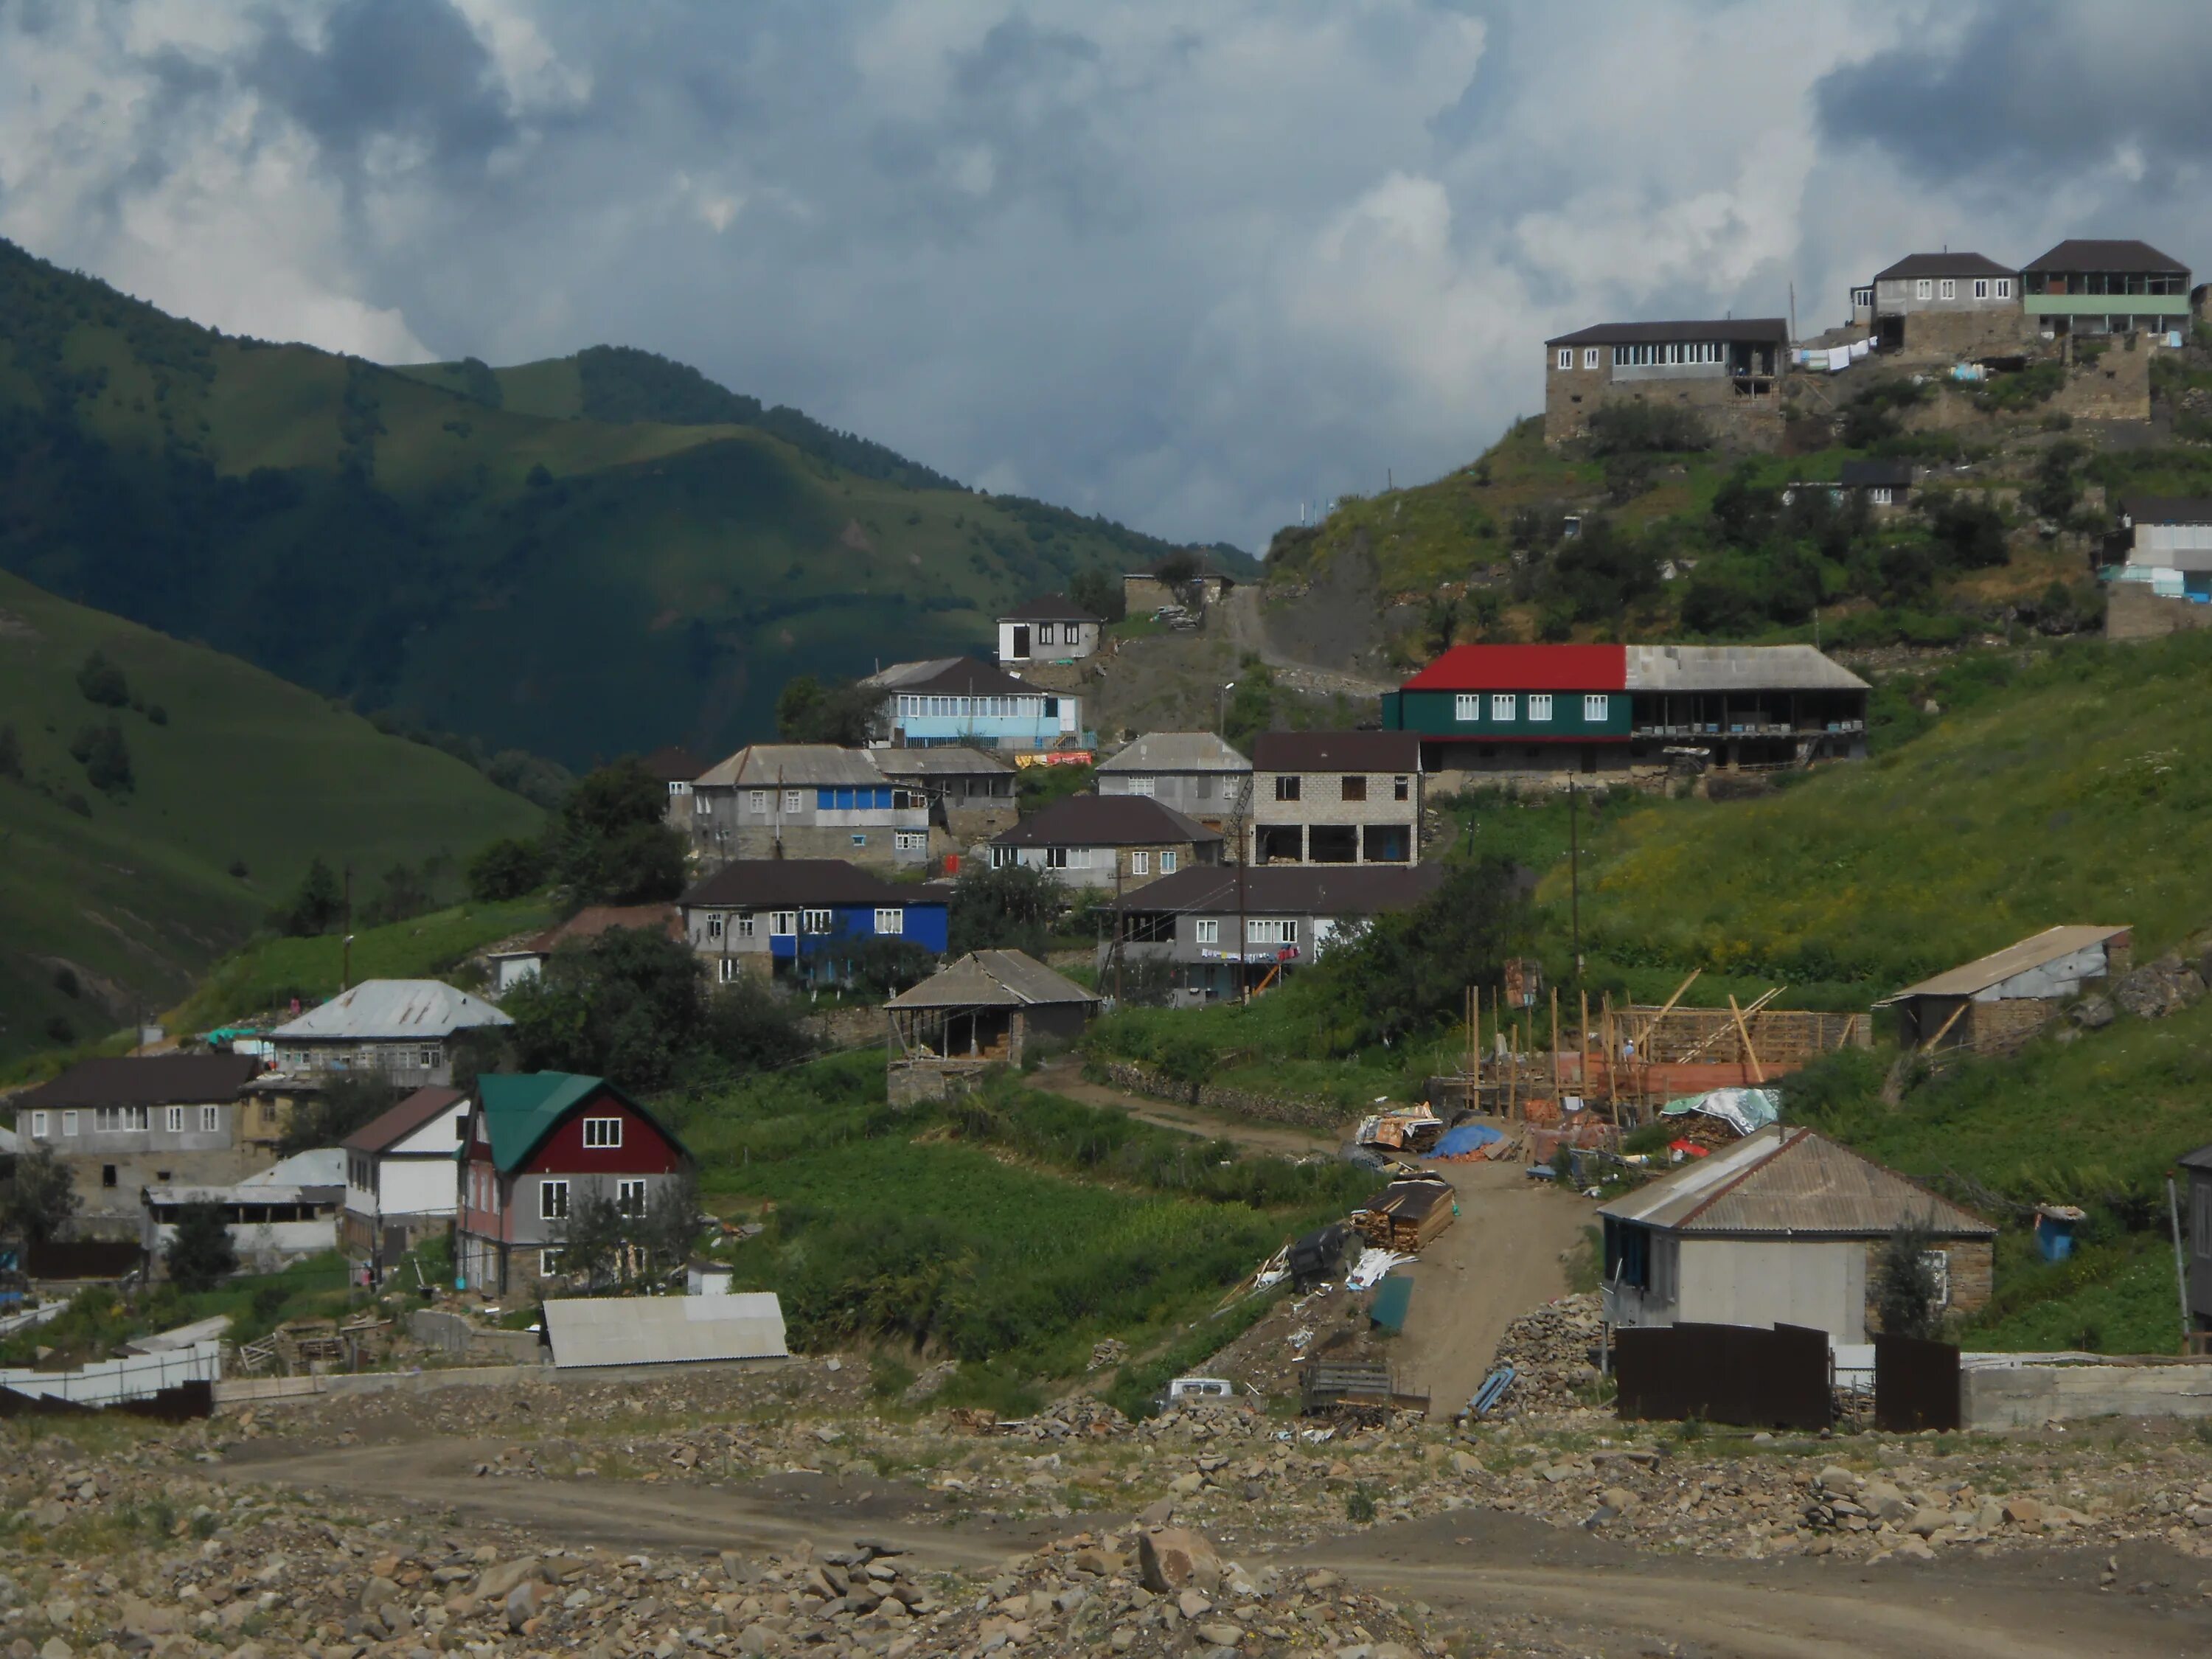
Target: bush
[
  {"x": 200, "y": 1255},
  {"x": 507, "y": 869},
  {"x": 105, "y": 756},
  {"x": 1012, "y": 908},
  {"x": 1640, "y": 428},
  {"x": 102, "y": 682},
  {"x": 612, "y": 843}
]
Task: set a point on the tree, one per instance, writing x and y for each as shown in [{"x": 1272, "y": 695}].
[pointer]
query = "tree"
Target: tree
[
  {"x": 102, "y": 682},
  {"x": 840, "y": 712},
  {"x": 1183, "y": 565},
  {"x": 319, "y": 902},
  {"x": 105, "y": 756},
  {"x": 406, "y": 893},
  {"x": 1971, "y": 533},
  {"x": 45, "y": 1197},
  {"x": 1907, "y": 1298},
  {"x": 1412, "y": 970},
  {"x": 1011, "y": 909},
  {"x": 601, "y": 1243},
  {"x": 1099, "y": 591},
  {"x": 11, "y": 754},
  {"x": 750, "y": 1027},
  {"x": 201, "y": 1254},
  {"x": 626, "y": 1006},
  {"x": 346, "y": 1102},
  {"x": 612, "y": 844},
  {"x": 507, "y": 869}
]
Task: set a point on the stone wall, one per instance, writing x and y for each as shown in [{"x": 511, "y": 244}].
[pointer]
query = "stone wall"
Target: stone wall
[
  {"x": 2115, "y": 386},
  {"x": 2132, "y": 612},
  {"x": 1143, "y": 1080},
  {"x": 1738, "y": 420},
  {"x": 2002, "y": 1028},
  {"x": 1999, "y": 332},
  {"x": 2029, "y": 1396}
]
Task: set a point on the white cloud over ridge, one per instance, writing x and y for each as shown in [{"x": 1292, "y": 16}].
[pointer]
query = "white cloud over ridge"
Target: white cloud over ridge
[{"x": 1185, "y": 266}]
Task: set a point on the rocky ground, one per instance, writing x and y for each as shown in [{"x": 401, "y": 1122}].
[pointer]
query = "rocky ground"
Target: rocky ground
[{"x": 1077, "y": 1531}]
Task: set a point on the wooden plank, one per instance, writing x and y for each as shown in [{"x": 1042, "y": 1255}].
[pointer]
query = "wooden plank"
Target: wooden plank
[{"x": 1750, "y": 1054}]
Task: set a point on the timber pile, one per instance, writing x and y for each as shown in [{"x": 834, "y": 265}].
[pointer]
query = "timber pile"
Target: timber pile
[{"x": 1406, "y": 1215}]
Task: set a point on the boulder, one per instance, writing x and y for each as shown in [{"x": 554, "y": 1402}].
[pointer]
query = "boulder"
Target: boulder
[
  {"x": 497, "y": 1581},
  {"x": 2094, "y": 1013},
  {"x": 2023, "y": 1511},
  {"x": 525, "y": 1600},
  {"x": 1172, "y": 1560}
]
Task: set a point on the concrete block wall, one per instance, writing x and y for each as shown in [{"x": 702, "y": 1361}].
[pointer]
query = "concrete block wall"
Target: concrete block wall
[{"x": 2028, "y": 1396}]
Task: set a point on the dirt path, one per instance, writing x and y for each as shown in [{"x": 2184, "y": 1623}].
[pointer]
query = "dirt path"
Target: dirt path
[
  {"x": 1499, "y": 1260},
  {"x": 1285, "y": 1140},
  {"x": 1606, "y": 1600}
]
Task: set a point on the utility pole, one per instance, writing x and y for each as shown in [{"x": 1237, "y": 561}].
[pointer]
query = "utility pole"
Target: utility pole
[
  {"x": 1575, "y": 875},
  {"x": 1243, "y": 812},
  {"x": 1118, "y": 856},
  {"x": 345, "y": 940}
]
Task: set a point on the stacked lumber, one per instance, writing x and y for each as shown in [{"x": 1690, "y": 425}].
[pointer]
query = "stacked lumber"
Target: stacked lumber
[{"x": 1406, "y": 1215}]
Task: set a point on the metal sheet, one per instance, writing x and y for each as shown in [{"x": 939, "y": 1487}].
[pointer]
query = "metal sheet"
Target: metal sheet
[{"x": 649, "y": 1330}]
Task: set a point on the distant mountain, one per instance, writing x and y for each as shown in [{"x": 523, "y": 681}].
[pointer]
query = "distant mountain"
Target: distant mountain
[
  {"x": 129, "y": 862},
  {"x": 580, "y": 557}
]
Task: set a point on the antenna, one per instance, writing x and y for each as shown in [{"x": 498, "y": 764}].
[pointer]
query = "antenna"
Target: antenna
[{"x": 1793, "y": 312}]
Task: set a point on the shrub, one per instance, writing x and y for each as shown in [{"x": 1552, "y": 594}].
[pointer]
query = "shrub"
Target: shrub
[
  {"x": 1906, "y": 1294},
  {"x": 200, "y": 1255},
  {"x": 1641, "y": 428},
  {"x": 507, "y": 869},
  {"x": 102, "y": 682}
]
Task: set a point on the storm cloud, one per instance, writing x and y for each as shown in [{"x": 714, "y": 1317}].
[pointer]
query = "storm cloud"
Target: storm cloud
[{"x": 1188, "y": 266}]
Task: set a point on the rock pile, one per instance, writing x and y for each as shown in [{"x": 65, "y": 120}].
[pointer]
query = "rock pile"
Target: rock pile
[
  {"x": 2161, "y": 986},
  {"x": 1550, "y": 1351}
]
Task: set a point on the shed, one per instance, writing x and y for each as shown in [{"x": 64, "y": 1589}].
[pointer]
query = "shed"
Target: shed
[
  {"x": 1994, "y": 1004},
  {"x": 661, "y": 1330},
  {"x": 1782, "y": 1228},
  {"x": 2197, "y": 1169},
  {"x": 982, "y": 1010}
]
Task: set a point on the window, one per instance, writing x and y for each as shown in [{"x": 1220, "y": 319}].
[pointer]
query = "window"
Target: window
[
  {"x": 1922, "y": 288},
  {"x": 791, "y": 800},
  {"x": 859, "y": 840},
  {"x": 714, "y": 924},
  {"x": 69, "y": 1123},
  {"x": 118, "y": 1120},
  {"x": 549, "y": 1264},
  {"x": 913, "y": 841},
  {"x": 1590, "y": 356},
  {"x": 174, "y": 1119},
  {"x": 744, "y": 926},
  {"x": 1467, "y": 706},
  {"x": 1938, "y": 1263},
  {"x": 1271, "y": 931},
  {"x": 38, "y": 1126},
  {"x": 1981, "y": 288},
  {"x": 1539, "y": 705},
  {"x": 1355, "y": 788},
  {"x": 1950, "y": 290},
  {"x": 107, "y": 1174},
  {"x": 2004, "y": 288},
  {"x": 783, "y": 922},
  {"x": 603, "y": 1132},
  {"x": 552, "y": 1201},
  {"x": 1401, "y": 788},
  {"x": 1596, "y": 707},
  {"x": 1004, "y": 858},
  {"x": 1045, "y": 633},
  {"x": 1501, "y": 705},
  {"x": 461, "y": 1129},
  {"x": 1286, "y": 788},
  {"x": 730, "y": 970},
  {"x": 426, "y": 1060},
  {"x": 630, "y": 1197},
  {"x": 1566, "y": 356},
  {"x": 1880, "y": 495},
  {"x": 1167, "y": 864},
  {"x": 891, "y": 919},
  {"x": 756, "y": 800},
  {"x": 1055, "y": 858},
  {"x": 701, "y": 806},
  {"x": 814, "y": 921},
  {"x": 1143, "y": 785}
]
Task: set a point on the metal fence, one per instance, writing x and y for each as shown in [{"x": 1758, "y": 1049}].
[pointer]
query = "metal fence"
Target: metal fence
[
  {"x": 135, "y": 1376},
  {"x": 1916, "y": 1384},
  {"x": 1739, "y": 1374}
]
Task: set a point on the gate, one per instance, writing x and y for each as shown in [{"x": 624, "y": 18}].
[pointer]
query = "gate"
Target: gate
[
  {"x": 1740, "y": 1374},
  {"x": 1916, "y": 1384}
]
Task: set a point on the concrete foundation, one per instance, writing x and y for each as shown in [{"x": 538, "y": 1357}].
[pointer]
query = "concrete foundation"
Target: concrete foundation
[{"x": 2028, "y": 1396}]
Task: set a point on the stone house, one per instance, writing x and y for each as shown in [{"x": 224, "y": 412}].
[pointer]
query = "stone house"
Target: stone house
[
  {"x": 1195, "y": 773},
  {"x": 1335, "y": 797},
  {"x": 1052, "y": 630},
  {"x": 1729, "y": 372},
  {"x": 1107, "y": 841},
  {"x": 969, "y": 794},
  {"x": 1286, "y": 914},
  {"x": 806, "y": 800},
  {"x": 2089, "y": 286},
  {"x": 1996, "y": 1003},
  {"x": 401, "y": 1029},
  {"x": 121, "y": 1125},
  {"x": 801, "y": 917},
  {"x": 535, "y": 1147},
  {"x": 1784, "y": 1227},
  {"x": 1944, "y": 304}
]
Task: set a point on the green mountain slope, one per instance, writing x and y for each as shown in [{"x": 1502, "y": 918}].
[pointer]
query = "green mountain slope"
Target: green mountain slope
[
  {"x": 572, "y": 585},
  {"x": 127, "y": 894}
]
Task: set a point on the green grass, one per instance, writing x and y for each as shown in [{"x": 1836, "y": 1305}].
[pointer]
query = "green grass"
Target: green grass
[
  {"x": 98, "y": 1319},
  {"x": 269, "y": 972},
  {"x": 135, "y": 895}
]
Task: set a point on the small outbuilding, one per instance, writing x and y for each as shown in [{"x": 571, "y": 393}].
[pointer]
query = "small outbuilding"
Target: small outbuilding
[
  {"x": 1783, "y": 1228},
  {"x": 982, "y": 1011},
  {"x": 1995, "y": 1004}
]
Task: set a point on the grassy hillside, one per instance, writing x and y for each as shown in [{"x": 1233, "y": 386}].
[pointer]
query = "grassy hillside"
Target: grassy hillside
[
  {"x": 538, "y": 576},
  {"x": 128, "y": 893}
]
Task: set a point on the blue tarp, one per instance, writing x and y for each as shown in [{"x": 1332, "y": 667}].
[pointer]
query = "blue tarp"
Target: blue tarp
[{"x": 1468, "y": 1138}]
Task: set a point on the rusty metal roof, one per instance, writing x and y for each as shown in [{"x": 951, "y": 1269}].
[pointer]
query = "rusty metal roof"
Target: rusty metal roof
[
  {"x": 1792, "y": 1182},
  {"x": 2014, "y": 960}
]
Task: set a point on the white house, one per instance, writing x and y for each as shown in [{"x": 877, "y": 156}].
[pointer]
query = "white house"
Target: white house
[
  {"x": 402, "y": 1175},
  {"x": 1054, "y": 629}
]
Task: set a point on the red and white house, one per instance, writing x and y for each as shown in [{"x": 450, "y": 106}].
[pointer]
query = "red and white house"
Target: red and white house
[{"x": 537, "y": 1146}]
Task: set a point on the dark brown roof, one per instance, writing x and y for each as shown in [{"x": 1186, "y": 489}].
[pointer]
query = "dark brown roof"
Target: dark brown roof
[
  {"x": 1291, "y": 889},
  {"x": 594, "y": 920},
  {"x": 964, "y": 677},
  {"x": 1766, "y": 331},
  {"x": 1942, "y": 264},
  {"x": 1106, "y": 821},
  {"x": 149, "y": 1081},
  {"x": 1876, "y": 474},
  {"x": 1410, "y": 1200},
  {"x": 674, "y": 764},
  {"x": 2089, "y": 255},
  {"x": 1052, "y": 607},
  {"x": 758, "y": 883},
  {"x": 1336, "y": 751},
  {"x": 402, "y": 1120},
  {"x": 2168, "y": 510}
]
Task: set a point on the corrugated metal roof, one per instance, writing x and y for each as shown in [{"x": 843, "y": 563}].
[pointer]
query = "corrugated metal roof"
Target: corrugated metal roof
[
  {"x": 1943, "y": 264},
  {"x": 323, "y": 1166},
  {"x": 1995, "y": 968},
  {"x": 1793, "y": 1182},
  {"x": 1177, "y": 751},
  {"x": 520, "y": 1108},
  {"x": 1865, "y": 475},
  {"x": 963, "y": 677},
  {"x": 394, "y": 1008},
  {"x": 793, "y": 765},
  {"x": 1525, "y": 668},
  {"x": 1106, "y": 821},
  {"x": 1337, "y": 752},
  {"x": 950, "y": 760},
  {"x": 2167, "y": 509},
  {"x": 664, "y": 1330},
  {"x": 993, "y": 979},
  {"x": 1764, "y": 331},
  {"x": 1736, "y": 668}
]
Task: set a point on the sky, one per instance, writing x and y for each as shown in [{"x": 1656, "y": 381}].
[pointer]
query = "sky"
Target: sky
[{"x": 1195, "y": 267}]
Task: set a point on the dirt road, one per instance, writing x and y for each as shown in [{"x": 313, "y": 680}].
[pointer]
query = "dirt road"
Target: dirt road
[
  {"x": 1285, "y": 1140},
  {"x": 1606, "y": 1600},
  {"x": 1500, "y": 1259}
]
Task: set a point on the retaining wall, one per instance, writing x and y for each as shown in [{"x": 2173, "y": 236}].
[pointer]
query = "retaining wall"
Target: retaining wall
[
  {"x": 1241, "y": 1102},
  {"x": 261, "y": 1391},
  {"x": 2028, "y": 1396}
]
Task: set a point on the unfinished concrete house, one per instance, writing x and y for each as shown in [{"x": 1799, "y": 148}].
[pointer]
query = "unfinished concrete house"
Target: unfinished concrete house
[
  {"x": 1943, "y": 305},
  {"x": 1994, "y": 1005}
]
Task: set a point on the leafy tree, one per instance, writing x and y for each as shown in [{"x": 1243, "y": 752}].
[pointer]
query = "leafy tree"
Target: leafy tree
[
  {"x": 603, "y": 1245},
  {"x": 749, "y": 1026},
  {"x": 201, "y": 1254},
  {"x": 102, "y": 682},
  {"x": 406, "y": 892},
  {"x": 880, "y": 966},
  {"x": 612, "y": 843},
  {"x": 1743, "y": 511},
  {"x": 2056, "y": 491},
  {"x": 1099, "y": 591},
  {"x": 1442, "y": 625},
  {"x": 1184, "y": 565},
  {"x": 1906, "y": 1297},
  {"x": 507, "y": 869},
  {"x": 1011, "y": 909},
  {"x": 811, "y": 710},
  {"x": 44, "y": 1198},
  {"x": 478, "y": 382},
  {"x": 105, "y": 756},
  {"x": 628, "y": 1005},
  {"x": 347, "y": 1102},
  {"x": 1412, "y": 970},
  {"x": 1970, "y": 533},
  {"x": 315, "y": 906},
  {"x": 1599, "y": 574},
  {"x": 11, "y": 754},
  {"x": 1640, "y": 428}
]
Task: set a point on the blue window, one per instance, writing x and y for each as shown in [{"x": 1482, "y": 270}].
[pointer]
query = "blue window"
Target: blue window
[{"x": 824, "y": 799}]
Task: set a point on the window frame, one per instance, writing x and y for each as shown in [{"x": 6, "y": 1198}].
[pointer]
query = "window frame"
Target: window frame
[
  {"x": 1924, "y": 288},
  {"x": 1287, "y": 785},
  {"x": 552, "y": 1198},
  {"x": 1539, "y": 707},
  {"x": 792, "y": 799},
  {"x": 1948, "y": 289},
  {"x": 783, "y": 924},
  {"x": 816, "y": 919},
  {"x": 69, "y": 1124},
  {"x": 39, "y": 1126},
  {"x": 1505, "y": 706},
  {"x": 1566, "y": 357},
  {"x": 630, "y": 1191},
  {"x": 1168, "y": 861},
  {"x": 731, "y": 969},
  {"x": 890, "y": 921},
  {"x": 599, "y": 1142},
  {"x": 1140, "y": 862},
  {"x": 1597, "y": 706},
  {"x": 1467, "y": 706},
  {"x": 713, "y": 924},
  {"x": 174, "y": 1119},
  {"x": 1981, "y": 288},
  {"x": 2004, "y": 288},
  {"x": 756, "y": 800},
  {"x": 1207, "y": 930}
]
